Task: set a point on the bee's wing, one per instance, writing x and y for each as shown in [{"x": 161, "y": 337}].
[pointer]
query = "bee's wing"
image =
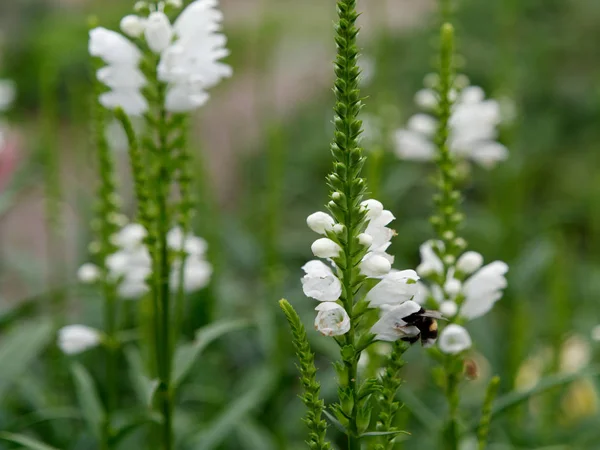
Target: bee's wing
[{"x": 433, "y": 314}]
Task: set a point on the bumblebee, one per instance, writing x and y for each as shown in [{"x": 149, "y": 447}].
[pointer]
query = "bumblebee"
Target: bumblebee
[{"x": 426, "y": 322}]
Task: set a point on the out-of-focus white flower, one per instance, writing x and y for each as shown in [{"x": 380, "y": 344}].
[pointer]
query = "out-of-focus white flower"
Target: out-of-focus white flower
[
  {"x": 394, "y": 288},
  {"x": 473, "y": 129},
  {"x": 392, "y": 326},
  {"x": 191, "y": 64},
  {"x": 430, "y": 261},
  {"x": 196, "y": 274},
  {"x": 320, "y": 282},
  {"x": 575, "y": 354},
  {"x": 454, "y": 339},
  {"x": 74, "y": 339},
  {"x": 191, "y": 245},
  {"x": 158, "y": 31},
  {"x": 88, "y": 273},
  {"x": 596, "y": 333},
  {"x": 133, "y": 26},
  {"x": 8, "y": 92},
  {"x": 325, "y": 248},
  {"x": 113, "y": 48},
  {"x": 332, "y": 319},
  {"x": 130, "y": 236},
  {"x": 320, "y": 222},
  {"x": 469, "y": 262},
  {"x": 483, "y": 289},
  {"x": 448, "y": 308},
  {"x": 452, "y": 287}
]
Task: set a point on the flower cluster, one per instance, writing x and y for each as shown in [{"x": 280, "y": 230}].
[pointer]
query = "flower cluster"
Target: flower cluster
[
  {"x": 189, "y": 52},
  {"x": 461, "y": 291},
  {"x": 473, "y": 127},
  {"x": 131, "y": 265}
]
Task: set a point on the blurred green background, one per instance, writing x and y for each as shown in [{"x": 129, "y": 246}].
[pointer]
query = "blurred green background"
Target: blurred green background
[{"x": 261, "y": 148}]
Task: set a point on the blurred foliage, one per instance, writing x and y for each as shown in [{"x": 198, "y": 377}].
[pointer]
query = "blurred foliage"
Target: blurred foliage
[{"x": 538, "y": 212}]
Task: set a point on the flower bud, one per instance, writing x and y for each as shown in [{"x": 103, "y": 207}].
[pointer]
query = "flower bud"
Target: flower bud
[
  {"x": 158, "y": 31},
  {"x": 452, "y": 287},
  {"x": 88, "y": 273},
  {"x": 449, "y": 308},
  {"x": 320, "y": 222},
  {"x": 375, "y": 266},
  {"x": 469, "y": 262},
  {"x": 325, "y": 248},
  {"x": 338, "y": 228},
  {"x": 365, "y": 239},
  {"x": 454, "y": 339},
  {"x": 133, "y": 26},
  {"x": 74, "y": 339}
]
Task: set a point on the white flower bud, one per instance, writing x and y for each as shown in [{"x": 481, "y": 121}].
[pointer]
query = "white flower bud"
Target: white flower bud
[
  {"x": 452, "y": 287},
  {"x": 365, "y": 239},
  {"x": 454, "y": 339},
  {"x": 175, "y": 3},
  {"x": 374, "y": 208},
  {"x": 74, "y": 339},
  {"x": 469, "y": 262},
  {"x": 338, "y": 228},
  {"x": 449, "y": 259},
  {"x": 158, "y": 31},
  {"x": 336, "y": 195},
  {"x": 88, "y": 273},
  {"x": 140, "y": 6},
  {"x": 325, "y": 248},
  {"x": 375, "y": 266},
  {"x": 133, "y": 26},
  {"x": 320, "y": 222},
  {"x": 449, "y": 308},
  {"x": 425, "y": 269},
  {"x": 332, "y": 319}
]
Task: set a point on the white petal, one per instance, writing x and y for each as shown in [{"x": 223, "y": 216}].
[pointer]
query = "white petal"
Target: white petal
[
  {"x": 488, "y": 154},
  {"x": 119, "y": 77},
  {"x": 320, "y": 222},
  {"x": 133, "y": 25},
  {"x": 469, "y": 262},
  {"x": 413, "y": 146},
  {"x": 430, "y": 261},
  {"x": 320, "y": 282},
  {"x": 325, "y": 248},
  {"x": 396, "y": 287},
  {"x": 374, "y": 208},
  {"x": 180, "y": 99},
  {"x": 196, "y": 275},
  {"x": 130, "y": 236},
  {"x": 88, "y": 273},
  {"x": 375, "y": 265},
  {"x": 113, "y": 48},
  {"x": 74, "y": 339},
  {"x": 483, "y": 289},
  {"x": 472, "y": 94},
  {"x": 423, "y": 124},
  {"x": 391, "y": 326},
  {"x": 332, "y": 319},
  {"x": 426, "y": 99},
  {"x": 158, "y": 31},
  {"x": 454, "y": 339},
  {"x": 132, "y": 102}
]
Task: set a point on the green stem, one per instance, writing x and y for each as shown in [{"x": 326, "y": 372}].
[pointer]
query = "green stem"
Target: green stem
[{"x": 452, "y": 438}]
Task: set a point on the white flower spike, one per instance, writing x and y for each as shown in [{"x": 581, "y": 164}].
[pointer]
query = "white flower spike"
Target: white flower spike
[
  {"x": 74, "y": 339},
  {"x": 332, "y": 319}
]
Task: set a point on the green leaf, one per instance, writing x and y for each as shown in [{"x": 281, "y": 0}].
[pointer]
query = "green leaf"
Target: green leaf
[
  {"x": 91, "y": 407},
  {"x": 132, "y": 424},
  {"x": 187, "y": 354},
  {"x": 252, "y": 436},
  {"x": 144, "y": 387},
  {"x": 213, "y": 436},
  {"x": 384, "y": 433},
  {"x": 20, "y": 348},
  {"x": 335, "y": 422},
  {"x": 25, "y": 441}
]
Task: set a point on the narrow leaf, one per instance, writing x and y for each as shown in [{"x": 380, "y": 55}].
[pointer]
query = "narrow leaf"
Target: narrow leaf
[
  {"x": 25, "y": 441},
  {"x": 20, "y": 348},
  {"x": 91, "y": 407},
  {"x": 187, "y": 354}
]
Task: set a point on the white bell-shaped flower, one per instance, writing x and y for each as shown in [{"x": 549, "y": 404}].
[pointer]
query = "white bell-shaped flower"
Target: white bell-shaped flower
[
  {"x": 132, "y": 101},
  {"x": 375, "y": 265},
  {"x": 423, "y": 124},
  {"x": 394, "y": 288},
  {"x": 325, "y": 248},
  {"x": 469, "y": 262},
  {"x": 448, "y": 308},
  {"x": 133, "y": 26},
  {"x": 74, "y": 339},
  {"x": 332, "y": 319},
  {"x": 190, "y": 244},
  {"x": 391, "y": 326},
  {"x": 196, "y": 274},
  {"x": 426, "y": 99},
  {"x": 454, "y": 339},
  {"x": 113, "y": 48},
  {"x": 377, "y": 229},
  {"x": 483, "y": 289},
  {"x": 320, "y": 222},
  {"x": 88, "y": 273},
  {"x": 130, "y": 236},
  {"x": 320, "y": 282},
  {"x": 374, "y": 208},
  {"x": 158, "y": 31},
  {"x": 413, "y": 146}
]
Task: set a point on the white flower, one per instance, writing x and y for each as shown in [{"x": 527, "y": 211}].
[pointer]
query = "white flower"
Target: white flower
[
  {"x": 191, "y": 245},
  {"x": 452, "y": 286},
  {"x": 483, "y": 289},
  {"x": 113, "y": 48},
  {"x": 391, "y": 326},
  {"x": 74, "y": 339},
  {"x": 426, "y": 99},
  {"x": 132, "y": 101},
  {"x": 488, "y": 154},
  {"x": 320, "y": 222},
  {"x": 8, "y": 92},
  {"x": 133, "y": 26},
  {"x": 430, "y": 261},
  {"x": 320, "y": 282},
  {"x": 364, "y": 239},
  {"x": 374, "y": 208},
  {"x": 130, "y": 236},
  {"x": 596, "y": 333},
  {"x": 196, "y": 274},
  {"x": 413, "y": 146},
  {"x": 191, "y": 64},
  {"x": 158, "y": 31},
  {"x": 422, "y": 123},
  {"x": 469, "y": 262},
  {"x": 454, "y": 339},
  {"x": 378, "y": 230},
  {"x": 332, "y": 319},
  {"x": 394, "y": 288},
  {"x": 375, "y": 265},
  {"x": 88, "y": 273},
  {"x": 325, "y": 248}
]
